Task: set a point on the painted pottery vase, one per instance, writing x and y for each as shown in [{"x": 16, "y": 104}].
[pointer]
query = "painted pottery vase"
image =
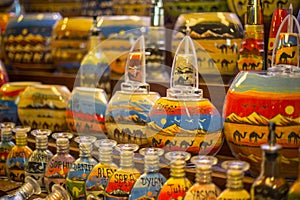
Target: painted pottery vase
[
  {"x": 44, "y": 107},
  {"x": 86, "y": 111},
  {"x": 175, "y": 8},
  {"x": 131, "y": 7},
  {"x": 96, "y": 7},
  {"x": 127, "y": 111},
  {"x": 66, "y": 8},
  {"x": 253, "y": 100},
  {"x": 70, "y": 42},
  {"x": 26, "y": 42},
  {"x": 240, "y": 6},
  {"x": 9, "y": 99},
  {"x": 118, "y": 33},
  {"x": 219, "y": 34},
  {"x": 184, "y": 120}
]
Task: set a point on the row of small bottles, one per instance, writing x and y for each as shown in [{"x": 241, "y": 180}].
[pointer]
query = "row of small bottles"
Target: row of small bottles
[{"x": 85, "y": 178}]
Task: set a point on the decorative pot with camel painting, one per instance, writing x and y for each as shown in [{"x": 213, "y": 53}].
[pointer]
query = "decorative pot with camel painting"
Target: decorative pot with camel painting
[
  {"x": 26, "y": 42},
  {"x": 86, "y": 111},
  {"x": 253, "y": 100},
  {"x": 44, "y": 107},
  {"x": 9, "y": 98},
  {"x": 219, "y": 35},
  {"x": 184, "y": 120},
  {"x": 127, "y": 111}
]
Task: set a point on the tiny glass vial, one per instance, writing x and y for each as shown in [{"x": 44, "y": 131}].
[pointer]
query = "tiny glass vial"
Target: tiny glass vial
[
  {"x": 270, "y": 184},
  {"x": 5, "y": 146},
  {"x": 39, "y": 158},
  {"x": 58, "y": 193},
  {"x": 121, "y": 182},
  {"x": 235, "y": 187},
  {"x": 204, "y": 188},
  {"x": 29, "y": 188},
  {"x": 151, "y": 181},
  {"x": 59, "y": 165},
  {"x": 18, "y": 156},
  {"x": 177, "y": 185},
  {"x": 81, "y": 168},
  {"x": 100, "y": 174}
]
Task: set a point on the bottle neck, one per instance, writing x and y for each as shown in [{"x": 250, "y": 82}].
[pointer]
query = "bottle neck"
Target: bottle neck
[
  {"x": 94, "y": 42},
  {"x": 62, "y": 145},
  {"x": 177, "y": 168},
  {"x": 151, "y": 163},
  {"x": 6, "y": 135},
  {"x": 21, "y": 139},
  {"x": 235, "y": 180},
  {"x": 41, "y": 142},
  {"x": 271, "y": 164},
  {"x": 203, "y": 175},
  {"x": 85, "y": 149},
  {"x": 27, "y": 190},
  {"x": 105, "y": 155},
  {"x": 127, "y": 159}
]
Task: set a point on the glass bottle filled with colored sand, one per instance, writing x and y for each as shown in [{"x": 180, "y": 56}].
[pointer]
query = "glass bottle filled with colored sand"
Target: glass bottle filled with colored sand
[
  {"x": 5, "y": 145},
  {"x": 270, "y": 184},
  {"x": 18, "y": 156},
  {"x": 40, "y": 157},
  {"x": 178, "y": 184},
  {"x": 122, "y": 180},
  {"x": 151, "y": 181},
  {"x": 234, "y": 186},
  {"x": 204, "y": 188},
  {"x": 81, "y": 168},
  {"x": 29, "y": 188},
  {"x": 59, "y": 165},
  {"x": 100, "y": 174}
]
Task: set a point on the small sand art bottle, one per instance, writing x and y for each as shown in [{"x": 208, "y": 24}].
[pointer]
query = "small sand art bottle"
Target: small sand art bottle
[
  {"x": 18, "y": 156},
  {"x": 100, "y": 174},
  {"x": 203, "y": 188},
  {"x": 59, "y": 165},
  {"x": 122, "y": 181},
  {"x": 5, "y": 146},
  {"x": 177, "y": 185},
  {"x": 81, "y": 168},
  {"x": 151, "y": 181},
  {"x": 29, "y": 188},
  {"x": 40, "y": 157},
  {"x": 235, "y": 187}
]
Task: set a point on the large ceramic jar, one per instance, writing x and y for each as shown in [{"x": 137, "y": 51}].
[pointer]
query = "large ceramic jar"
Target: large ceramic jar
[
  {"x": 69, "y": 42},
  {"x": 126, "y": 116},
  {"x": 252, "y": 101},
  {"x": 27, "y": 41},
  {"x": 219, "y": 34},
  {"x": 44, "y": 107},
  {"x": 9, "y": 98},
  {"x": 86, "y": 111},
  {"x": 67, "y": 8}
]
